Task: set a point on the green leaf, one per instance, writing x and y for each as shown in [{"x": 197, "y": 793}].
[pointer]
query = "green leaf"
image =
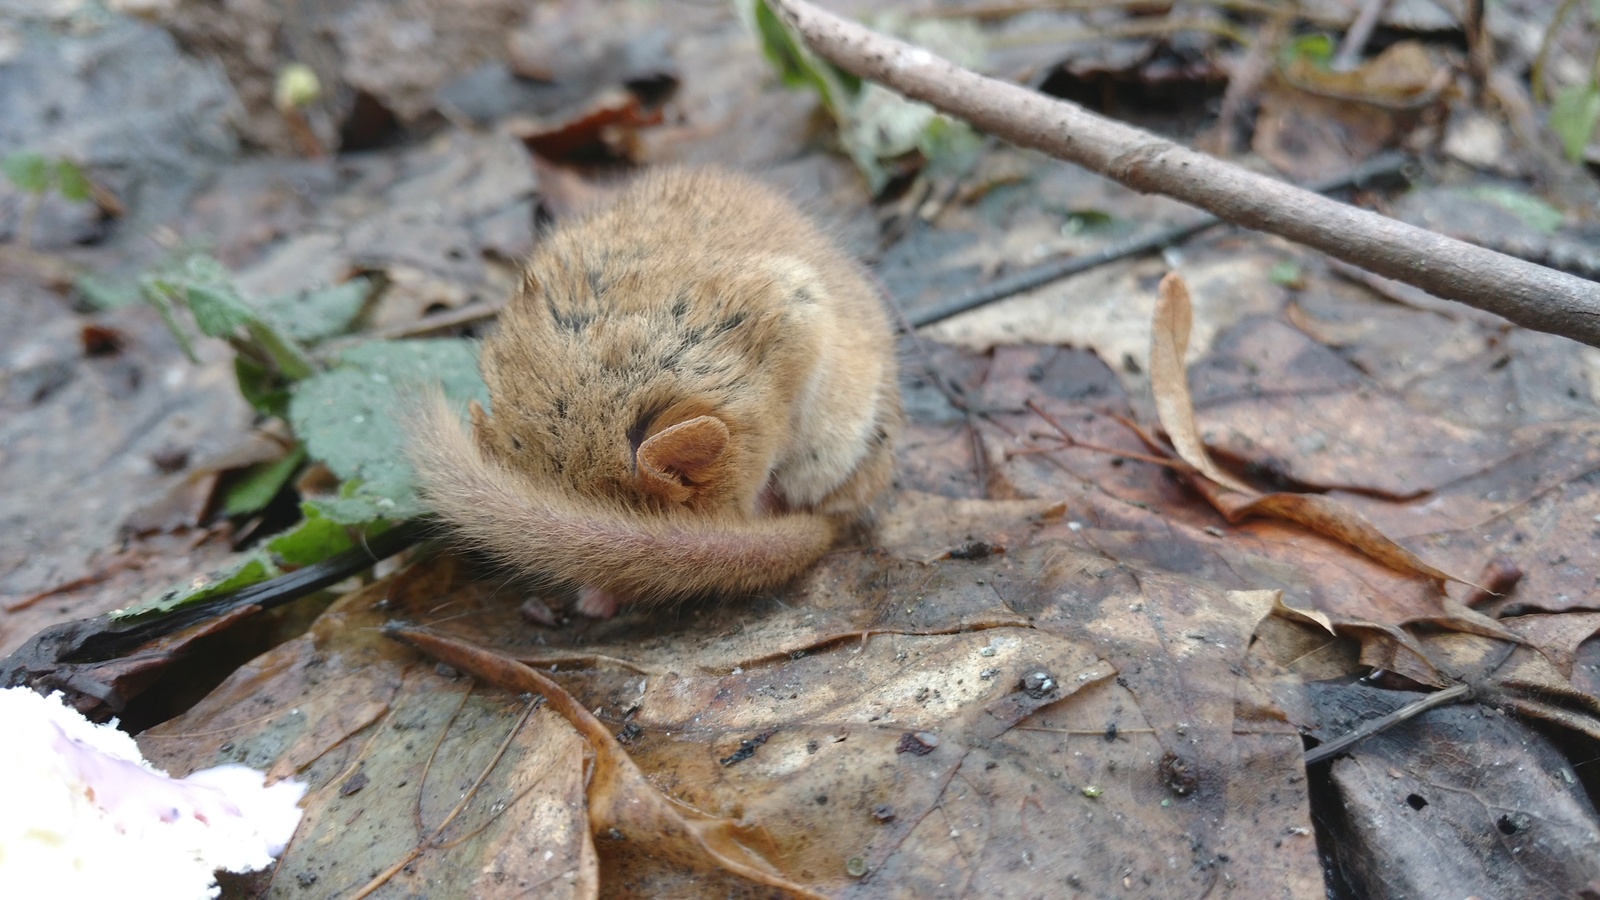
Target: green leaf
[
  {"x": 876, "y": 124},
  {"x": 1573, "y": 117},
  {"x": 218, "y": 311},
  {"x": 313, "y": 316},
  {"x": 261, "y": 387},
  {"x": 315, "y": 539},
  {"x": 364, "y": 509},
  {"x": 28, "y": 171},
  {"x": 252, "y": 569},
  {"x": 1083, "y": 221},
  {"x": 1534, "y": 212},
  {"x": 159, "y": 293},
  {"x": 1314, "y": 49},
  {"x": 798, "y": 67},
  {"x": 251, "y": 490},
  {"x": 72, "y": 183},
  {"x": 221, "y": 311},
  {"x": 950, "y": 146},
  {"x": 1287, "y": 274},
  {"x": 285, "y": 353},
  {"x": 107, "y": 293},
  {"x": 351, "y": 419}
]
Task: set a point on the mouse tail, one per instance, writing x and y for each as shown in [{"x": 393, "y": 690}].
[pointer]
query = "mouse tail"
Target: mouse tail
[{"x": 593, "y": 543}]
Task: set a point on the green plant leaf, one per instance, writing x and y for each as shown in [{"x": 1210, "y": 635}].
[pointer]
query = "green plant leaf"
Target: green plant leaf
[
  {"x": 313, "y": 316},
  {"x": 1311, "y": 49},
  {"x": 252, "y": 569},
  {"x": 1084, "y": 221},
  {"x": 315, "y": 539},
  {"x": 107, "y": 293},
  {"x": 261, "y": 387},
  {"x": 351, "y": 419},
  {"x": 159, "y": 293},
  {"x": 1573, "y": 117},
  {"x": 360, "y": 508},
  {"x": 1534, "y": 212},
  {"x": 311, "y": 541},
  {"x": 798, "y": 67},
  {"x": 206, "y": 287},
  {"x": 877, "y": 125},
  {"x": 251, "y": 490},
  {"x": 1287, "y": 274},
  {"x": 72, "y": 183},
  {"x": 217, "y": 310},
  {"x": 28, "y": 171},
  {"x": 285, "y": 353},
  {"x": 950, "y": 146}
]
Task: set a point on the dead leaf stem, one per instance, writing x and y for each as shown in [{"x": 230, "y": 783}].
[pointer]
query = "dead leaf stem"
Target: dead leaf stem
[
  {"x": 1333, "y": 748},
  {"x": 1071, "y": 441}
]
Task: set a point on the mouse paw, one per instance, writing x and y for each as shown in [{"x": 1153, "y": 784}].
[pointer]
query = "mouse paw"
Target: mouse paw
[{"x": 597, "y": 603}]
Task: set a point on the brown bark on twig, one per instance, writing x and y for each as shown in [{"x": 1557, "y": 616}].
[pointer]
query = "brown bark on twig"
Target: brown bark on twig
[{"x": 1529, "y": 295}]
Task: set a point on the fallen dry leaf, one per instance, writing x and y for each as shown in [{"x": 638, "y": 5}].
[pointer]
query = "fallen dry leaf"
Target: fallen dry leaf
[{"x": 1168, "y": 342}]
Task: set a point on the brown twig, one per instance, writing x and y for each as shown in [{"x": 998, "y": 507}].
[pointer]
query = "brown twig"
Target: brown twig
[
  {"x": 1527, "y": 294},
  {"x": 1541, "y": 93},
  {"x": 1409, "y": 711},
  {"x": 1070, "y": 441},
  {"x": 1244, "y": 84},
  {"x": 989, "y": 12},
  {"x": 430, "y": 324},
  {"x": 1355, "y": 40}
]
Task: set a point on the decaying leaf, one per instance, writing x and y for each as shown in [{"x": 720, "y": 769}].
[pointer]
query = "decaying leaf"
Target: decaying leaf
[{"x": 1169, "y": 340}]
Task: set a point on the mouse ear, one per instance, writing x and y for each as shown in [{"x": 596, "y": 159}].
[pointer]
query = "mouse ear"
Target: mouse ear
[{"x": 673, "y": 462}]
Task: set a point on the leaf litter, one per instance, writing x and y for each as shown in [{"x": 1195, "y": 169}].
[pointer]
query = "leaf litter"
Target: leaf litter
[{"x": 1070, "y": 658}]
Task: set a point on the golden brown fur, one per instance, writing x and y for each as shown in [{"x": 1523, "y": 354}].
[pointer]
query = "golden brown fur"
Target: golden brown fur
[{"x": 693, "y": 391}]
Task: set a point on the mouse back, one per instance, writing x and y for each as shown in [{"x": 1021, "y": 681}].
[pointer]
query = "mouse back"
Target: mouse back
[{"x": 690, "y": 344}]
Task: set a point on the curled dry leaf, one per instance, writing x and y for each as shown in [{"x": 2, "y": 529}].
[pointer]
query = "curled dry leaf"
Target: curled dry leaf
[
  {"x": 624, "y": 807},
  {"x": 1169, "y": 341}
]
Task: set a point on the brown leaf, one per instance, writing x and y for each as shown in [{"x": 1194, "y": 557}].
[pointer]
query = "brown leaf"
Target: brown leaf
[
  {"x": 1169, "y": 341},
  {"x": 623, "y": 805},
  {"x": 1300, "y": 414},
  {"x": 1326, "y": 516},
  {"x": 1446, "y": 803}
]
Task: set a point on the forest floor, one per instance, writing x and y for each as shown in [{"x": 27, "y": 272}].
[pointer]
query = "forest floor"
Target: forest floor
[{"x": 1077, "y": 655}]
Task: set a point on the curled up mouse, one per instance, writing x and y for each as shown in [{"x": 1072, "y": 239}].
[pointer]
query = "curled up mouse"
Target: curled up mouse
[{"x": 693, "y": 392}]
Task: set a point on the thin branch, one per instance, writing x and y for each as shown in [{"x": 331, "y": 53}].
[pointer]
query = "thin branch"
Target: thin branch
[
  {"x": 1355, "y": 40},
  {"x": 1541, "y": 93},
  {"x": 1527, "y": 294},
  {"x": 1368, "y": 729}
]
